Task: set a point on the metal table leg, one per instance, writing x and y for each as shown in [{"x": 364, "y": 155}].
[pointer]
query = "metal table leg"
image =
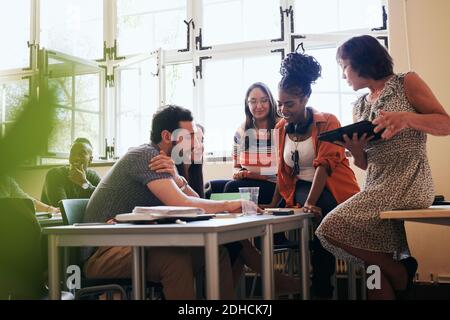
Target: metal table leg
[
  {"x": 136, "y": 276},
  {"x": 53, "y": 268},
  {"x": 267, "y": 264},
  {"x": 143, "y": 272},
  {"x": 212, "y": 266},
  {"x": 305, "y": 257}
]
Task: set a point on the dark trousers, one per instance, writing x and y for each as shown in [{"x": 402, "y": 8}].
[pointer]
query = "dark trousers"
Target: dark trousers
[
  {"x": 215, "y": 186},
  {"x": 323, "y": 262}
]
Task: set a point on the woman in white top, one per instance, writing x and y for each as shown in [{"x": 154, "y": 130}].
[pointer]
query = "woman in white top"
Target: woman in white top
[{"x": 311, "y": 174}]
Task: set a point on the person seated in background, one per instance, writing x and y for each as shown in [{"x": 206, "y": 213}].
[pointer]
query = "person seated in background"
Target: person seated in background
[
  {"x": 10, "y": 189},
  {"x": 131, "y": 183},
  {"x": 254, "y": 155},
  {"x": 74, "y": 181},
  {"x": 242, "y": 252}
]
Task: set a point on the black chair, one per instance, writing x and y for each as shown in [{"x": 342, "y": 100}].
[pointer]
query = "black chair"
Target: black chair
[
  {"x": 22, "y": 272},
  {"x": 72, "y": 211}
]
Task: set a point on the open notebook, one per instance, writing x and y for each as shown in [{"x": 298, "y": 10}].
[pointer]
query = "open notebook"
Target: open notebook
[
  {"x": 167, "y": 210},
  {"x": 165, "y": 214}
]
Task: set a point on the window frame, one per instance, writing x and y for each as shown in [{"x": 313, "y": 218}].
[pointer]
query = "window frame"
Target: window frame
[
  {"x": 194, "y": 12},
  {"x": 8, "y": 79},
  {"x": 90, "y": 66}
]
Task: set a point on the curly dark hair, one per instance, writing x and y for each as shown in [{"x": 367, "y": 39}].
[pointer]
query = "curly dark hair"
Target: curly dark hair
[
  {"x": 299, "y": 71},
  {"x": 367, "y": 57}
]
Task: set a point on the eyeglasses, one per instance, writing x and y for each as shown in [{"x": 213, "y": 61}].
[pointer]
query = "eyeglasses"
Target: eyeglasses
[
  {"x": 296, "y": 159},
  {"x": 255, "y": 102}
]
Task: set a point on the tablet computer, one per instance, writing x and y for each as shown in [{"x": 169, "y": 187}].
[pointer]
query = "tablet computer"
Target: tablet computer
[{"x": 358, "y": 127}]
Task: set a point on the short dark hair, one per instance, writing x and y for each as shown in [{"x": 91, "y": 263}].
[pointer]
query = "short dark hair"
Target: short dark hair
[
  {"x": 168, "y": 118},
  {"x": 82, "y": 140},
  {"x": 299, "y": 71},
  {"x": 367, "y": 57}
]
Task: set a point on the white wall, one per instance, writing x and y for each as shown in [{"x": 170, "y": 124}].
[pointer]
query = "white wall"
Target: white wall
[
  {"x": 419, "y": 33},
  {"x": 427, "y": 31}
]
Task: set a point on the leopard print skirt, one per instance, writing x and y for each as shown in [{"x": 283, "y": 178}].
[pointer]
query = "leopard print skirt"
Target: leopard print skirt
[
  {"x": 398, "y": 177},
  {"x": 356, "y": 222}
]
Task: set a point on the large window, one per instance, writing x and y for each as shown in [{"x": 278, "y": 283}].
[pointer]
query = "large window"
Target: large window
[
  {"x": 225, "y": 84},
  {"x": 243, "y": 20},
  {"x": 179, "y": 85},
  {"x": 137, "y": 92},
  {"x": 116, "y": 62},
  {"x": 12, "y": 94},
  {"x": 143, "y": 26},
  {"x": 79, "y": 113},
  {"x": 323, "y": 16},
  {"x": 73, "y": 26},
  {"x": 15, "y": 52}
]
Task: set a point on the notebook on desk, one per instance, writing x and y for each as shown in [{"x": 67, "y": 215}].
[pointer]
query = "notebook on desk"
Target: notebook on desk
[
  {"x": 159, "y": 219},
  {"x": 163, "y": 214},
  {"x": 168, "y": 210}
]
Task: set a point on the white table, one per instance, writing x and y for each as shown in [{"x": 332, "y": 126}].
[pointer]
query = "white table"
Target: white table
[{"x": 208, "y": 234}]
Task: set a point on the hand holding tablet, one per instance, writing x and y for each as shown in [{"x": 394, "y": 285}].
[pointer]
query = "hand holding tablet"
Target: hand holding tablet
[{"x": 359, "y": 128}]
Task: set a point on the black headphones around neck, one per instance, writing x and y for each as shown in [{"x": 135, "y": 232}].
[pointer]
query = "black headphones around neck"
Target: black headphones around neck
[{"x": 300, "y": 128}]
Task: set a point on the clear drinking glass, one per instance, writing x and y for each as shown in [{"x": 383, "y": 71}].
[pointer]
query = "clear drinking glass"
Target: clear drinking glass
[{"x": 250, "y": 194}]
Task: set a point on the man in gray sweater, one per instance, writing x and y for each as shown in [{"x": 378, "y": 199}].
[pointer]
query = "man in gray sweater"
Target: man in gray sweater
[{"x": 131, "y": 183}]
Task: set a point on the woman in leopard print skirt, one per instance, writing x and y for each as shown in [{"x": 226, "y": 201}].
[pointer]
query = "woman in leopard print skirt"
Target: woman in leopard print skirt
[{"x": 398, "y": 174}]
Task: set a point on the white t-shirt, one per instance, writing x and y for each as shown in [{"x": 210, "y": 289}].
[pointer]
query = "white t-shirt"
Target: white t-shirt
[{"x": 306, "y": 153}]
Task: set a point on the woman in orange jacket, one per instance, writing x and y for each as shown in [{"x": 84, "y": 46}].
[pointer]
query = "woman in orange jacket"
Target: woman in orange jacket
[{"x": 312, "y": 174}]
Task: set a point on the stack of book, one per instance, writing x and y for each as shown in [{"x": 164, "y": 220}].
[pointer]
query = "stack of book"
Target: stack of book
[{"x": 167, "y": 213}]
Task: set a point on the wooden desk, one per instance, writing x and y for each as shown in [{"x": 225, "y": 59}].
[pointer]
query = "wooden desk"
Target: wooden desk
[{"x": 435, "y": 215}]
